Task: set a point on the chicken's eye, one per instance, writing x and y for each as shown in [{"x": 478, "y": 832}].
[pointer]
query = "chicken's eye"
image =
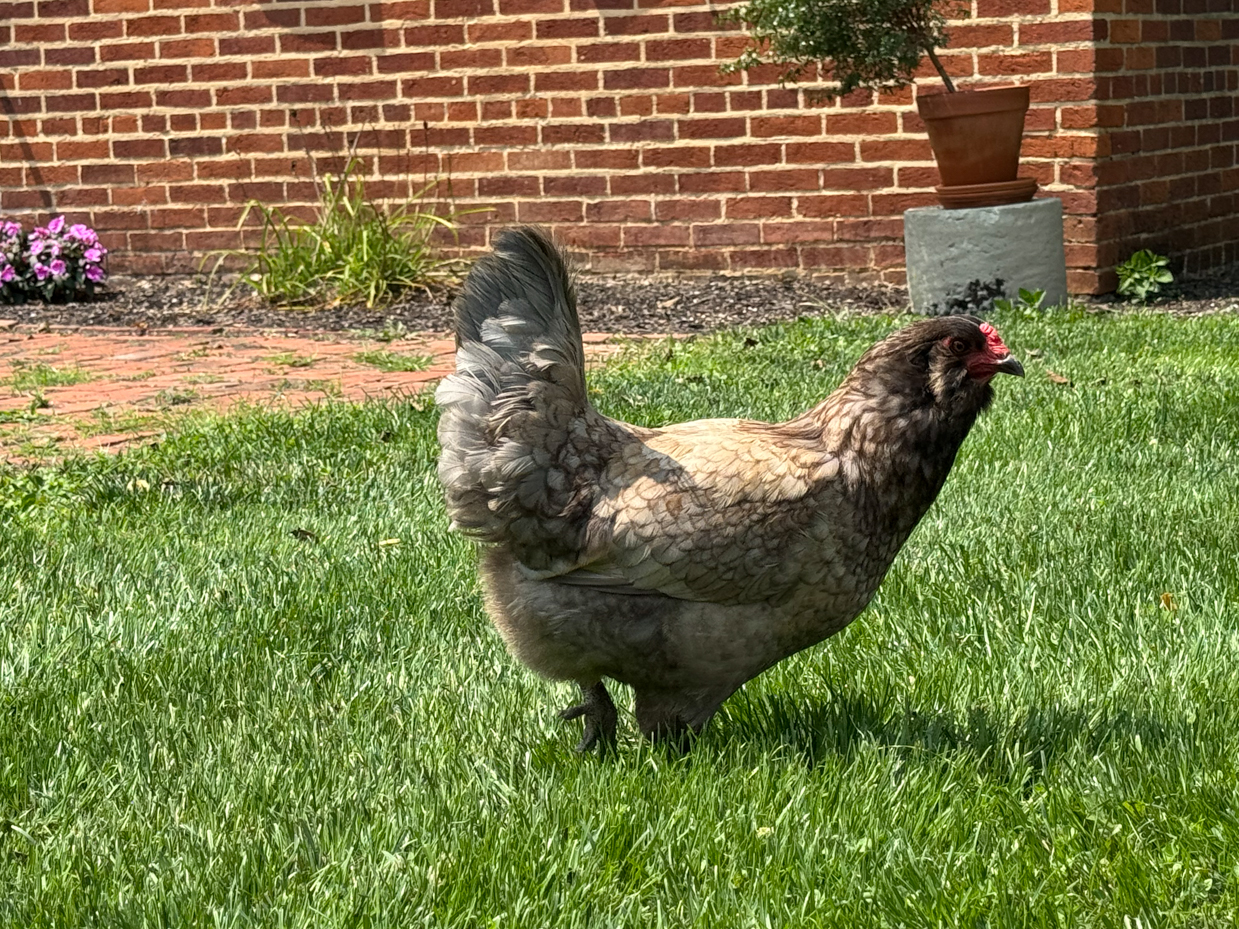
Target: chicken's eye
[{"x": 957, "y": 346}]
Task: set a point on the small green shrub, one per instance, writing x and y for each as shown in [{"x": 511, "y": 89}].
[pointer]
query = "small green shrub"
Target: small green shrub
[
  {"x": 355, "y": 250},
  {"x": 1143, "y": 274},
  {"x": 870, "y": 44},
  {"x": 1025, "y": 300}
]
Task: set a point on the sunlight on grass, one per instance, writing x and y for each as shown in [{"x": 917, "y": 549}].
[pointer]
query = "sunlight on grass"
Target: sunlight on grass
[
  {"x": 33, "y": 375},
  {"x": 394, "y": 361},
  {"x": 226, "y": 701}
]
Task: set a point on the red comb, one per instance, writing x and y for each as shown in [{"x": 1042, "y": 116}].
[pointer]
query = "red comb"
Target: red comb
[{"x": 994, "y": 341}]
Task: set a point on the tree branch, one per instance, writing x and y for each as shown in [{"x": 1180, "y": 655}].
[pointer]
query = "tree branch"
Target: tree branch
[{"x": 946, "y": 78}]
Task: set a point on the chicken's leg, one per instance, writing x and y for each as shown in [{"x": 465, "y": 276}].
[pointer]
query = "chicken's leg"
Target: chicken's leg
[{"x": 600, "y": 717}]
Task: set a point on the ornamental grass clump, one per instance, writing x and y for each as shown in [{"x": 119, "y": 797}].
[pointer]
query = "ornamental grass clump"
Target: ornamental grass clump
[
  {"x": 354, "y": 250},
  {"x": 53, "y": 263}
]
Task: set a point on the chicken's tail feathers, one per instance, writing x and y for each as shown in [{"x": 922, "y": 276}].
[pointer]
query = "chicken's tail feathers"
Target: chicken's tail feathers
[
  {"x": 519, "y": 383},
  {"x": 519, "y": 302}
]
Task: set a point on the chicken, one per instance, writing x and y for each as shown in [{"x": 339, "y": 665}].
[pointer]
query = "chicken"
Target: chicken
[{"x": 687, "y": 559}]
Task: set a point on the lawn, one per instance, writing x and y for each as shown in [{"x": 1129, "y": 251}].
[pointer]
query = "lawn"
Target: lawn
[{"x": 246, "y": 679}]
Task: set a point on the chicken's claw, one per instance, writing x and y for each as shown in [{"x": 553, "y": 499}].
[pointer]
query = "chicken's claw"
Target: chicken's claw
[{"x": 600, "y": 718}]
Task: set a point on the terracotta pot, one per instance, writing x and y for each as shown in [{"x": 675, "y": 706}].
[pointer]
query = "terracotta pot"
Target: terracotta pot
[{"x": 976, "y": 134}]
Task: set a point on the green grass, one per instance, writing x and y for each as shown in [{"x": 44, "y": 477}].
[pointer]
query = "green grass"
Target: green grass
[
  {"x": 227, "y": 698},
  {"x": 32, "y": 376},
  {"x": 394, "y": 361}
]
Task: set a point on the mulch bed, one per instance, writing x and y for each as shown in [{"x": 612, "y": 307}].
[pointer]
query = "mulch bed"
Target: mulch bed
[{"x": 627, "y": 304}]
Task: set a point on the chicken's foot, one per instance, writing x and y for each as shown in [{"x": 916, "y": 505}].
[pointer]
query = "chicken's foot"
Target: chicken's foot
[{"x": 600, "y": 718}]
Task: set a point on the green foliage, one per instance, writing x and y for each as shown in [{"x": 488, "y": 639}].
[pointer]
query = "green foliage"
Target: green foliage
[
  {"x": 226, "y": 702},
  {"x": 1143, "y": 274},
  {"x": 394, "y": 361},
  {"x": 1026, "y": 300},
  {"x": 873, "y": 44},
  {"x": 354, "y": 250}
]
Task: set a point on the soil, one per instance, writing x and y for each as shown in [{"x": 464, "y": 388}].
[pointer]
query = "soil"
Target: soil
[{"x": 621, "y": 304}]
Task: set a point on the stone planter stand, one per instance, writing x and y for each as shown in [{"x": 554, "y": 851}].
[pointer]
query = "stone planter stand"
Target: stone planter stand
[{"x": 960, "y": 260}]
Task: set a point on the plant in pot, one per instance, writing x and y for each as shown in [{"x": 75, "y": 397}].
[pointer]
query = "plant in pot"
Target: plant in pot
[{"x": 878, "y": 45}]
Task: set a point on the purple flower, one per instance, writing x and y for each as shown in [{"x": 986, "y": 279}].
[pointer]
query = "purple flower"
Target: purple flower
[
  {"x": 39, "y": 233},
  {"x": 41, "y": 271},
  {"x": 56, "y": 225},
  {"x": 58, "y": 268},
  {"x": 11, "y": 229},
  {"x": 94, "y": 254},
  {"x": 7, "y": 274},
  {"x": 83, "y": 233},
  {"x": 95, "y": 273}
]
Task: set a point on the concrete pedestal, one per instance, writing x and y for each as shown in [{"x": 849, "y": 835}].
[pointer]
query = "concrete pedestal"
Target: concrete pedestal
[{"x": 960, "y": 260}]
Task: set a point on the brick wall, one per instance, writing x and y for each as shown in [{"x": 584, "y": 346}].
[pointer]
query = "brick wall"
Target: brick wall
[
  {"x": 605, "y": 119},
  {"x": 1168, "y": 106}
]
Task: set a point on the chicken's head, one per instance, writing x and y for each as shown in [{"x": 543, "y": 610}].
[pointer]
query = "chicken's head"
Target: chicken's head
[
  {"x": 947, "y": 362},
  {"x": 963, "y": 357}
]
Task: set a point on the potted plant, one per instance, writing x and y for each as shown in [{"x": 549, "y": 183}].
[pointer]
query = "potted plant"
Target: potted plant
[{"x": 878, "y": 45}]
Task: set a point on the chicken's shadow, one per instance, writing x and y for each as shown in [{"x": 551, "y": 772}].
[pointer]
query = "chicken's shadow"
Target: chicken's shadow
[{"x": 1024, "y": 742}]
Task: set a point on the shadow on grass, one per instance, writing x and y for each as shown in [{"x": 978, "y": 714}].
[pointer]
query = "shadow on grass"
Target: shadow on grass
[{"x": 1024, "y": 743}]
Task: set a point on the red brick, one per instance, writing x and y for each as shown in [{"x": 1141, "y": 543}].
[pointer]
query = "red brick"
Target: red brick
[
  {"x": 187, "y": 48},
  {"x": 826, "y": 153},
  {"x": 608, "y": 51},
  {"x": 997, "y": 8},
  {"x": 565, "y": 80},
  {"x": 567, "y": 28},
  {"x": 707, "y": 236},
  {"x": 161, "y": 74},
  {"x": 471, "y": 58},
  {"x": 832, "y": 205},
  {"x": 656, "y": 235},
  {"x": 649, "y": 130},
  {"x": 607, "y": 159},
  {"x": 781, "y": 233},
  {"x": 39, "y": 33},
  {"x": 634, "y": 78},
  {"x": 550, "y": 211},
  {"x": 1082, "y": 30},
  {"x": 64, "y": 103},
  {"x": 712, "y": 182},
  {"x": 499, "y": 84},
  {"x": 677, "y": 49},
  {"x": 861, "y": 123},
  {"x": 724, "y": 128},
  {"x": 675, "y": 157},
  {"x": 434, "y": 36},
  {"x": 139, "y": 148},
  {"x": 76, "y": 9},
  {"x": 110, "y": 77},
  {"x": 651, "y": 24},
  {"x": 749, "y": 153},
  {"x": 765, "y": 127},
  {"x": 130, "y": 51},
  {"x": 45, "y": 80},
  {"x": 153, "y": 26}
]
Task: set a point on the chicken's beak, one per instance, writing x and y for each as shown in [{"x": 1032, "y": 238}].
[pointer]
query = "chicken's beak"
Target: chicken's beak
[{"x": 1010, "y": 365}]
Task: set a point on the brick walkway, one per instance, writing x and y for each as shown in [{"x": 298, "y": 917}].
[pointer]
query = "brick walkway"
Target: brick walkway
[{"x": 105, "y": 388}]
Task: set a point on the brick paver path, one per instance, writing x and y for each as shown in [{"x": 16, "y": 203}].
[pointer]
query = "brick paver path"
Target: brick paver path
[{"x": 104, "y": 388}]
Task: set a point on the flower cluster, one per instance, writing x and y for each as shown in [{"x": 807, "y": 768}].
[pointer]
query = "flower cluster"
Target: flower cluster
[{"x": 53, "y": 263}]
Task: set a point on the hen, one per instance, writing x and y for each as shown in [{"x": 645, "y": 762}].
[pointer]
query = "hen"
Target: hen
[{"x": 683, "y": 560}]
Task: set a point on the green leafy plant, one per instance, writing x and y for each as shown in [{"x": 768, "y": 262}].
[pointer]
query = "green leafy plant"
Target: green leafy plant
[
  {"x": 1025, "y": 300},
  {"x": 1143, "y": 274},
  {"x": 354, "y": 250},
  {"x": 871, "y": 44}
]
